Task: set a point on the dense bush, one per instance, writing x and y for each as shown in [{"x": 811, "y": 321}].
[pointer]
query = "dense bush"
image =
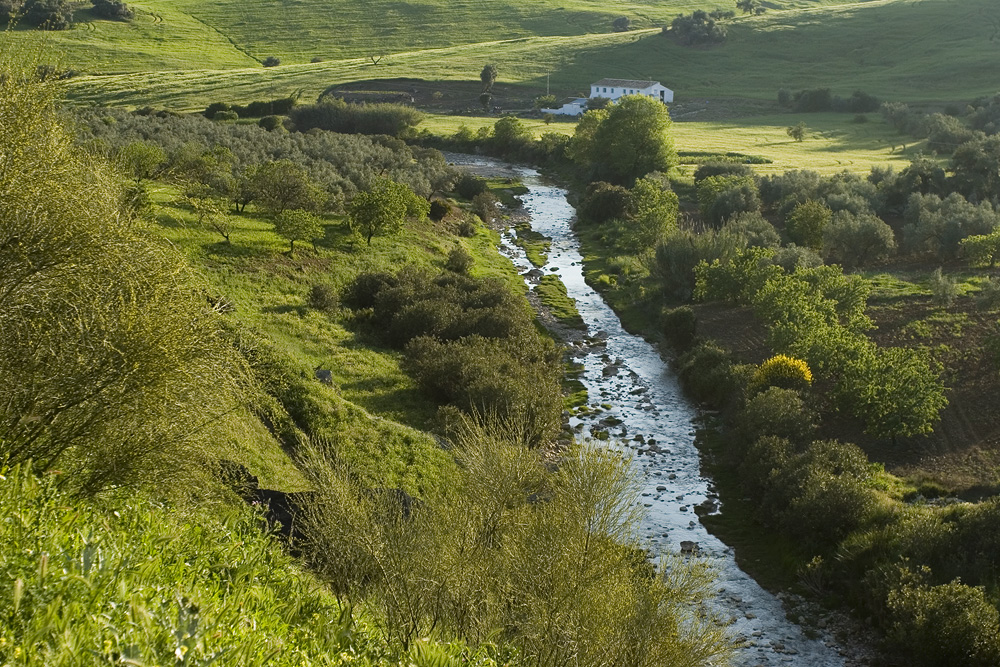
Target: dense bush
[
  {"x": 336, "y": 115},
  {"x": 468, "y": 341},
  {"x": 784, "y": 372},
  {"x": 935, "y": 225},
  {"x": 564, "y": 575},
  {"x": 708, "y": 374},
  {"x": 699, "y": 27},
  {"x": 722, "y": 197},
  {"x": 323, "y": 297},
  {"x": 469, "y": 185},
  {"x": 776, "y": 412},
  {"x": 602, "y": 202},
  {"x": 753, "y": 230},
  {"x": 857, "y": 240},
  {"x": 114, "y": 10},
  {"x": 679, "y": 326}
]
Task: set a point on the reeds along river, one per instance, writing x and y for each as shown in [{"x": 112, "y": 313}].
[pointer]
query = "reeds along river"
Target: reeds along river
[{"x": 651, "y": 420}]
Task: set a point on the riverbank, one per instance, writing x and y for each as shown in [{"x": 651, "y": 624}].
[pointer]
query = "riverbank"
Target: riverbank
[{"x": 636, "y": 406}]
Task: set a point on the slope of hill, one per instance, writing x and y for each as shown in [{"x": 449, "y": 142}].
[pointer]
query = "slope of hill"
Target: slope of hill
[
  {"x": 890, "y": 48},
  {"x": 227, "y": 33}
]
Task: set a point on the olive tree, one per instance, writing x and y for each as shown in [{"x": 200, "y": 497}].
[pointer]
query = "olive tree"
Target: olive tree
[
  {"x": 382, "y": 209},
  {"x": 295, "y": 224}
]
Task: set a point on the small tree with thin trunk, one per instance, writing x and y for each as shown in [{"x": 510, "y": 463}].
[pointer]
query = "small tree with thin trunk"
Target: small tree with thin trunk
[
  {"x": 488, "y": 76},
  {"x": 797, "y": 132},
  {"x": 297, "y": 225},
  {"x": 378, "y": 211}
]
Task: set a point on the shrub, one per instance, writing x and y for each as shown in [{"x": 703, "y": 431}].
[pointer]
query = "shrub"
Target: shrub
[
  {"x": 271, "y": 61},
  {"x": 775, "y": 412},
  {"x": 857, "y": 240},
  {"x": 439, "y": 210},
  {"x": 271, "y": 123},
  {"x": 114, "y": 10},
  {"x": 226, "y": 116},
  {"x": 943, "y": 288},
  {"x": 622, "y": 24},
  {"x": 721, "y": 197},
  {"x": 950, "y": 624},
  {"x": 470, "y": 185},
  {"x": 806, "y": 222},
  {"x": 679, "y": 326},
  {"x": 459, "y": 260},
  {"x": 793, "y": 257},
  {"x": 336, "y": 115},
  {"x": 752, "y": 230},
  {"x": 784, "y": 372},
  {"x": 708, "y": 374},
  {"x": 323, "y": 297},
  {"x": 602, "y": 202},
  {"x": 699, "y": 27}
]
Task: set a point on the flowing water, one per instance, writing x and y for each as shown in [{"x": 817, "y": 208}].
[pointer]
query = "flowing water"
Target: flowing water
[{"x": 649, "y": 415}]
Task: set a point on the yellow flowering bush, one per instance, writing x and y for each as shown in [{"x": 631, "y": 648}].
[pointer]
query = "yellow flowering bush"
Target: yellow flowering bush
[{"x": 783, "y": 371}]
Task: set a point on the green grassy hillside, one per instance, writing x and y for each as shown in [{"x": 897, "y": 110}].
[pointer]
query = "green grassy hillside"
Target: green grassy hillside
[
  {"x": 228, "y": 33},
  {"x": 893, "y": 49}
]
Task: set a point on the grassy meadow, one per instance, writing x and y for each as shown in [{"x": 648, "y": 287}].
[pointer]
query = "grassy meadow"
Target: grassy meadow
[{"x": 832, "y": 46}]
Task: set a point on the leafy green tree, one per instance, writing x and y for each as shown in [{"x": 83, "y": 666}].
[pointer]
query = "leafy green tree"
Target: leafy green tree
[
  {"x": 381, "y": 209},
  {"x": 797, "y": 131},
  {"x": 857, "y": 240},
  {"x": 283, "y": 184},
  {"x": 295, "y": 224},
  {"x": 806, "y": 222},
  {"x": 983, "y": 249},
  {"x": 114, "y": 10},
  {"x": 141, "y": 160},
  {"x": 897, "y": 391},
  {"x": 488, "y": 76},
  {"x": 211, "y": 212},
  {"x": 627, "y": 140},
  {"x": 750, "y": 7}
]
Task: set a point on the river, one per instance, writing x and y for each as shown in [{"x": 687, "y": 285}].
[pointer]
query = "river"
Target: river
[{"x": 638, "y": 401}]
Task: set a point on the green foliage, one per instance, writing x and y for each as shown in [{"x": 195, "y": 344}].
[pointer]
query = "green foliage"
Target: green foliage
[
  {"x": 622, "y": 24},
  {"x": 943, "y": 288},
  {"x": 86, "y": 584},
  {"x": 807, "y": 222},
  {"x": 857, "y": 240},
  {"x": 297, "y": 225},
  {"x": 724, "y": 196},
  {"x": 626, "y": 141},
  {"x": 282, "y": 185},
  {"x": 510, "y": 135},
  {"x": 699, "y": 27},
  {"x": 271, "y": 61},
  {"x": 707, "y": 373},
  {"x": 936, "y": 225},
  {"x": 488, "y": 76},
  {"x": 982, "y": 249},
  {"x": 336, "y": 115},
  {"x": 797, "y": 131},
  {"x": 776, "y": 412},
  {"x": 562, "y": 575},
  {"x": 459, "y": 260},
  {"x": 271, "y": 123},
  {"x": 651, "y": 213},
  {"x": 380, "y": 210},
  {"x": 950, "y": 624},
  {"x": 114, "y": 10},
  {"x": 679, "y": 326},
  {"x": 603, "y": 202},
  {"x": 323, "y": 297},
  {"x": 896, "y": 391},
  {"x": 141, "y": 160},
  {"x": 120, "y": 382},
  {"x": 47, "y": 14}
]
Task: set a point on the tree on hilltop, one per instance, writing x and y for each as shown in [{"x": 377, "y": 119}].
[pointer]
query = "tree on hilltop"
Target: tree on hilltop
[{"x": 750, "y": 7}]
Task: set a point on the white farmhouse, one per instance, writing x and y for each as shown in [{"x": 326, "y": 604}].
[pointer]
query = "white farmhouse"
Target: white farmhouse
[{"x": 613, "y": 89}]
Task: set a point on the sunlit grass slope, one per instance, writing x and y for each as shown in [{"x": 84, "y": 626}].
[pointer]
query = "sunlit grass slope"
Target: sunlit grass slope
[
  {"x": 227, "y": 33},
  {"x": 943, "y": 50}
]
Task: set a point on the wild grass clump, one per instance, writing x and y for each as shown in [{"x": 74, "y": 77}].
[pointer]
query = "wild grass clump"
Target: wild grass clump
[{"x": 539, "y": 558}]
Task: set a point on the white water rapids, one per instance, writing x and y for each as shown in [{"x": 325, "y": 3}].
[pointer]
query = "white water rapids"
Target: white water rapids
[{"x": 657, "y": 423}]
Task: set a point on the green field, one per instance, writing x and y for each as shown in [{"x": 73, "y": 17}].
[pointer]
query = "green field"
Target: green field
[{"x": 190, "y": 59}]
